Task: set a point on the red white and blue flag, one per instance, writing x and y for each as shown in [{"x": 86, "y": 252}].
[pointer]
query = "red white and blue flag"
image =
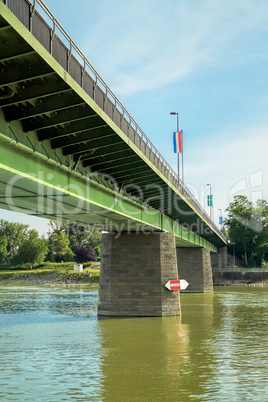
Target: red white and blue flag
[{"x": 177, "y": 142}]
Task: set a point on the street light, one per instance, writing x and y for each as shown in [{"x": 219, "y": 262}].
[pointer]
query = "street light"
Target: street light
[{"x": 177, "y": 114}]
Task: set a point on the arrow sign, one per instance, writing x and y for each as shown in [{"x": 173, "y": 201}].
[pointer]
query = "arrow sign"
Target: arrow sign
[{"x": 177, "y": 284}]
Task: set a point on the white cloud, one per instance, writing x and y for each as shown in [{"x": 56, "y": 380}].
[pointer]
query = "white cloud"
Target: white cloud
[{"x": 147, "y": 45}]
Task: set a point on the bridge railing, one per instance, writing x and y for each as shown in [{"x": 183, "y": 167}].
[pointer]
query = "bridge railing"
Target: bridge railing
[
  {"x": 236, "y": 269},
  {"x": 40, "y": 21}
]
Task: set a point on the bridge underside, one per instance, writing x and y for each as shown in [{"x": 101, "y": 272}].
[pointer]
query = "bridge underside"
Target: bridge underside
[
  {"x": 65, "y": 122},
  {"x": 32, "y": 185}
]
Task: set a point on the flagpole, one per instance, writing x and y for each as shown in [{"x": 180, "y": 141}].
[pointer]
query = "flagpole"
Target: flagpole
[
  {"x": 182, "y": 169},
  {"x": 176, "y": 113},
  {"x": 178, "y": 152}
]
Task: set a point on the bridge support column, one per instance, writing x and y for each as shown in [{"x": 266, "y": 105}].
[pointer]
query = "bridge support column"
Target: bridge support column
[
  {"x": 194, "y": 265},
  {"x": 219, "y": 260},
  {"x": 134, "y": 271}
]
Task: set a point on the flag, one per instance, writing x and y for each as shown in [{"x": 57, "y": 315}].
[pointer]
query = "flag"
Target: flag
[
  {"x": 177, "y": 142},
  {"x": 210, "y": 200},
  {"x": 220, "y": 220}
]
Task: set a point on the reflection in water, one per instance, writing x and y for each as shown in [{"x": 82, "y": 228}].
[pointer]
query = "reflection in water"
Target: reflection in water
[
  {"x": 141, "y": 357},
  {"x": 241, "y": 344},
  {"x": 53, "y": 348},
  {"x": 157, "y": 359}
]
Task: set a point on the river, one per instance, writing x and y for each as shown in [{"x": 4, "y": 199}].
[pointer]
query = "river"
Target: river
[{"x": 54, "y": 348}]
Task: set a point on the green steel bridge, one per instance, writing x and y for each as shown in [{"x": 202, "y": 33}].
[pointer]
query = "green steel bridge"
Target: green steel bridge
[{"x": 70, "y": 150}]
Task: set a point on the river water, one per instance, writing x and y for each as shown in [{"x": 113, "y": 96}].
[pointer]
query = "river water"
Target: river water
[{"x": 54, "y": 348}]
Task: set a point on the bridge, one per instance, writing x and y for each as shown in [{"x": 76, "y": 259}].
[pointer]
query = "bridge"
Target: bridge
[{"x": 70, "y": 151}]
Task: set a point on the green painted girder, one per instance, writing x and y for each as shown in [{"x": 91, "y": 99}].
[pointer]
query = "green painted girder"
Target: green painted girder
[
  {"x": 94, "y": 146},
  {"x": 94, "y": 134},
  {"x": 126, "y": 165},
  {"x": 68, "y": 115},
  {"x": 95, "y": 163},
  {"x": 35, "y": 92},
  {"x": 122, "y": 175},
  {"x": 5, "y": 27},
  {"x": 10, "y": 53},
  {"x": 90, "y": 121},
  {"x": 151, "y": 199},
  {"x": 150, "y": 190},
  {"x": 129, "y": 170},
  {"x": 10, "y": 77},
  {"x": 106, "y": 151},
  {"x": 50, "y": 104},
  {"x": 150, "y": 219},
  {"x": 142, "y": 182},
  {"x": 98, "y": 162},
  {"x": 97, "y": 147}
]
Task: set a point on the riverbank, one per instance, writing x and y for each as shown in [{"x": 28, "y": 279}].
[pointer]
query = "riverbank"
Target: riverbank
[
  {"x": 53, "y": 279},
  {"x": 51, "y": 275},
  {"x": 240, "y": 277},
  {"x": 238, "y": 283}
]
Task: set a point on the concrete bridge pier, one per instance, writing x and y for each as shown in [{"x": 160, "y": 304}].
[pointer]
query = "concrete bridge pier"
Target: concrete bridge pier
[
  {"x": 134, "y": 271},
  {"x": 219, "y": 260},
  {"x": 194, "y": 265}
]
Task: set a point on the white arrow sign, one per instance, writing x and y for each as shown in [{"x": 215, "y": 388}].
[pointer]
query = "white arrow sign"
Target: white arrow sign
[{"x": 177, "y": 284}]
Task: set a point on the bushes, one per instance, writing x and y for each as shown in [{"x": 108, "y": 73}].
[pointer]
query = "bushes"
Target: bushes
[{"x": 84, "y": 254}]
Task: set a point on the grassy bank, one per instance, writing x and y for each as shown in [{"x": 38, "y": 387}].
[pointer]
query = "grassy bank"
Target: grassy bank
[{"x": 50, "y": 274}]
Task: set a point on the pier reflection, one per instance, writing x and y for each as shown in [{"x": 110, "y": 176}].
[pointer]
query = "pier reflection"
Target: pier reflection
[{"x": 157, "y": 359}]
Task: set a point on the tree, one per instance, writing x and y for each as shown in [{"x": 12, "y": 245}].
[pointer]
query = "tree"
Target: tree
[
  {"x": 59, "y": 243},
  {"x": 80, "y": 235},
  {"x": 248, "y": 228},
  {"x": 261, "y": 240},
  {"x": 224, "y": 232},
  {"x": 15, "y": 234},
  {"x": 238, "y": 224},
  {"x": 3, "y": 248},
  {"x": 84, "y": 254},
  {"x": 32, "y": 250}
]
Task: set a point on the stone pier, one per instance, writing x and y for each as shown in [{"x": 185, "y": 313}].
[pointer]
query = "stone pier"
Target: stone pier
[
  {"x": 194, "y": 265},
  {"x": 134, "y": 271},
  {"x": 219, "y": 260}
]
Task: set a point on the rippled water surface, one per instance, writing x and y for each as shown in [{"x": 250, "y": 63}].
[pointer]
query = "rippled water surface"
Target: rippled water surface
[{"x": 54, "y": 348}]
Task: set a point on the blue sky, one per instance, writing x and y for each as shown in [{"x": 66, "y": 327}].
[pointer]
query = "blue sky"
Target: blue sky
[{"x": 207, "y": 60}]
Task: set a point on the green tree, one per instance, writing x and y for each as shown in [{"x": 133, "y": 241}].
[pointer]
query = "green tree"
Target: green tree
[
  {"x": 224, "y": 232},
  {"x": 59, "y": 243},
  {"x": 32, "y": 250},
  {"x": 3, "y": 248},
  {"x": 261, "y": 240},
  {"x": 15, "y": 234},
  {"x": 247, "y": 227},
  {"x": 80, "y": 235}
]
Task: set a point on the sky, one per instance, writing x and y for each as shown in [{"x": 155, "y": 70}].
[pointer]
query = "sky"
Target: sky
[{"x": 206, "y": 60}]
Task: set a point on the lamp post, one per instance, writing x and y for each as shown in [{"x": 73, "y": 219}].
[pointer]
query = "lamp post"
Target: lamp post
[
  {"x": 177, "y": 114},
  {"x": 234, "y": 255}
]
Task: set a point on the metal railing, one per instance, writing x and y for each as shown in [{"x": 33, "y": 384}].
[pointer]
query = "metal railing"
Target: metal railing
[
  {"x": 236, "y": 269},
  {"x": 56, "y": 30}
]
